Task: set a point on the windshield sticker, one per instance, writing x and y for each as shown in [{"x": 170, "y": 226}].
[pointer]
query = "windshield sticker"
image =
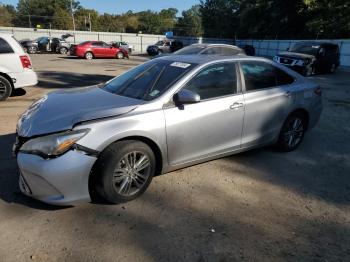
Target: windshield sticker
[
  {"x": 180, "y": 64},
  {"x": 154, "y": 93}
]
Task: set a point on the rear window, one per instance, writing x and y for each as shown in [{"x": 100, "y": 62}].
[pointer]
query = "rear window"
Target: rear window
[
  {"x": 5, "y": 48},
  {"x": 84, "y": 43},
  {"x": 148, "y": 81}
]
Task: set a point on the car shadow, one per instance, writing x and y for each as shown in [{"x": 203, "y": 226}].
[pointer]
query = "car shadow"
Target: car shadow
[
  {"x": 56, "y": 80},
  {"x": 9, "y": 174},
  {"x": 18, "y": 92}
]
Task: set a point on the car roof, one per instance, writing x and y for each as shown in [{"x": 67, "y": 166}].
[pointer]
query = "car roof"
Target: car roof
[
  {"x": 204, "y": 59},
  {"x": 221, "y": 45}
]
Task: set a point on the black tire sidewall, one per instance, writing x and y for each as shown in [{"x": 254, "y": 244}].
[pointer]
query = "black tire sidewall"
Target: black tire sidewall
[
  {"x": 281, "y": 143},
  {"x": 106, "y": 165},
  {"x": 8, "y": 88}
]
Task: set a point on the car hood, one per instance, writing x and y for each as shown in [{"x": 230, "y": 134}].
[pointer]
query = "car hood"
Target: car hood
[
  {"x": 295, "y": 55},
  {"x": 61, "y": 110}
]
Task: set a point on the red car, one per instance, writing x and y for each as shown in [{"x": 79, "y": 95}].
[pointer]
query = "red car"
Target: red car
[{"x": 96, "y": 49}]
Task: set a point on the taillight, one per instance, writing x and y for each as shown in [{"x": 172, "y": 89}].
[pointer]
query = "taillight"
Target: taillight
[
  {"x": 25, "y": 61},
  {"x": 318, "y": 91}
]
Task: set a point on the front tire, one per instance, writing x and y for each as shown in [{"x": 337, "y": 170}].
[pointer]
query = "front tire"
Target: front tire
[
  {"x": 5, "y": 88},
  {"x": 89, "y": 56},
  {"x": 125, "y": 170},
  {"x": 292, "y": 133},
  {"x": 308, "y": 71},
  {"x": 332, "y": 68},
  {"x": 120, "y": 55}
]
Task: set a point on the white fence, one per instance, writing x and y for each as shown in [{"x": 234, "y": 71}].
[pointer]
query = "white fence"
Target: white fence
[{"x": 140, "y": 41}]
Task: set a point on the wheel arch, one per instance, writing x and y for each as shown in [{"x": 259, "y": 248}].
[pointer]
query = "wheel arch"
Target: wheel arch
[
  {"x": 151, "y": 143},
  {"x": 303, "y": 113},
  {"x": 8, "y": 78}
]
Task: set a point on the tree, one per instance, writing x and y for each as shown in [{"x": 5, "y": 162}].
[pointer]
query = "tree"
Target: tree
[
  {"x": 219, "y": 17},
  {"x": 62, "y": 20},
  {"x": 190, "y": 24},
  {"x": 6, "y": 16}
]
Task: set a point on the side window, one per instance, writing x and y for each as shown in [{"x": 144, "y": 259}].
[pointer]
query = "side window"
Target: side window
[
  {"x": 5, "y": 48},
  {"x": 226, "y": 51},
  {"x": 97, "y": 44},
  {"x": 258, "y": 75},
  {"x": 283, "y": 78},
  {"x": 214, "y": 81},
  {"x": 212, "y": 51}
]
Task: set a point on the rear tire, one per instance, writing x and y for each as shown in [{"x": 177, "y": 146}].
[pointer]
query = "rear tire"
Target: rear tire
[
  {"x": 32, "y": 50},
  {"x": 5, "y": 88},
  {"x": 63, "y": 51},
  {"x": 292, "y": 133},
  {"x": 332, "y": 68},
  {"x": 89, "y": 56},
  {"x": 125, "y": 170},
  {"x": 120, "y": 55}
]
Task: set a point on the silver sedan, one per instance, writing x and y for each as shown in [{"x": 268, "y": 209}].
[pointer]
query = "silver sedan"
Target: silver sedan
[{"x": 166, "y": 114}]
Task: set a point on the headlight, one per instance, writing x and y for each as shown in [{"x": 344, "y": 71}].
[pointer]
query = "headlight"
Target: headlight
[
  {"x": 53, "y": 145},
  {"x": 300, "y": 63}
]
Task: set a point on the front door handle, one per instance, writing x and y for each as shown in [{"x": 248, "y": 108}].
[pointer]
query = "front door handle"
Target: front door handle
[{"x": 236, "y": 105}]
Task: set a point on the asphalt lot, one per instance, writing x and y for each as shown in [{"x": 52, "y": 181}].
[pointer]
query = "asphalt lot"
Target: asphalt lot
[{"x": 261, "y": 205}]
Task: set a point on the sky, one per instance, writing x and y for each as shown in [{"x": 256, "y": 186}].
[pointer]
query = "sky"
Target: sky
[{"x": 122, "y": 6}]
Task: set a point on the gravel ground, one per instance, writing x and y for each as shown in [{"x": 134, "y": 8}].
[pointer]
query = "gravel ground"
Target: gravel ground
[{"x": 261, "y": 205}]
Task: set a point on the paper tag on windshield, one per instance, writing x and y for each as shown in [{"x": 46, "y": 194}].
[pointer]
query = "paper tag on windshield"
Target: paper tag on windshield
[{"x": 180, "y": 64}]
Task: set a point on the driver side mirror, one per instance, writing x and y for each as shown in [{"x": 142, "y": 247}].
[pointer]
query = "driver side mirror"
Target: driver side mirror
[{"x": 186, "y": 97}]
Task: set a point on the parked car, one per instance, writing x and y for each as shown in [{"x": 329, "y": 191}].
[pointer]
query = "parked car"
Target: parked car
[
  {"x": 210, "y": 49},
  {"x": 309, "y": 57},
  {"x": 47, "y": 44},
  {"x": 164, "y": 46},
  {"x": 15, "y": 67},
  {"x": 162, "y": 115},
  {"x": 98, "y": 49},
  {"x": 124, "y": 45}
]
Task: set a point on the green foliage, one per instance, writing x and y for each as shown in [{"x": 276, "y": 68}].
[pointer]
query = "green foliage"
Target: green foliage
[
  {"x": 190, "y": 24},
  {"x": 260, "y": 19},
  {"x": 6, "y": 16}
]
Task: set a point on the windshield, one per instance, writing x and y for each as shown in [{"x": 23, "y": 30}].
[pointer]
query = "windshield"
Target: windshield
[
  {"x": 308, "y": 49},
  {"x": 190, "y": 50},
  {"x": 149, "y": 80},
  {"x": 160, "y": 43}
]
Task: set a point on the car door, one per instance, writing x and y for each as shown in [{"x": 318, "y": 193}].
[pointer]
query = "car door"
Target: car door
[
  {"x": 109, "y": 51},
  {"x": 98, "y": 49},
  {"x": 212, "y": 126},
  {"x": 268, "y": 100}
]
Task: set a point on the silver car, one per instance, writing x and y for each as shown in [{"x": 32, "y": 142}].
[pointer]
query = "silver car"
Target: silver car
[{"x": 166, "y": 114}]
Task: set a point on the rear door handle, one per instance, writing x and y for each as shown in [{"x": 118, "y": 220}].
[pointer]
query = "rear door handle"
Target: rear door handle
[{"x": 236, "y": 105}]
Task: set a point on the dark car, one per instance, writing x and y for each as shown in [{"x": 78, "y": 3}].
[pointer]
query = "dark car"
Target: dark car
[
  {"x": 47, "y": 44},
  {"x": 308, "y": 58},
  {"x": 164, "y": 46}
]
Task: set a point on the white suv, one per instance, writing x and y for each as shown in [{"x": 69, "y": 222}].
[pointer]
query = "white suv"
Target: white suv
[{"x": 15, "y": 67}]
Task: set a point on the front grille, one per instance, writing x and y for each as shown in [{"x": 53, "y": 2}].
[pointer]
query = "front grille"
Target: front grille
[{"x": 286, "y": 61}]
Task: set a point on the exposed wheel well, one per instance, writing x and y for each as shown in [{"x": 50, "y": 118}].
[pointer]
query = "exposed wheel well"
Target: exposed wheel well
[
  {"x": 157, "y": 153},
  {"x": 8, "y": 78},
  {"x": 302, "y": 113}
]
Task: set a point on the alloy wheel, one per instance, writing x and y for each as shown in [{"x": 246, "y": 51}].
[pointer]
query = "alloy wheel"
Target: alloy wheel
[
  {"x": 131, "y": 173},
  {"x": 294, "y": 132},
  {"x": 120, "y": 55}
]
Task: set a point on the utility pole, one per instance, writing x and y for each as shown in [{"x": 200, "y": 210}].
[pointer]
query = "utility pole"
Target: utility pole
[
  {"x": 90, "y": 22},
  {"x": 71, "y": 9}
]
